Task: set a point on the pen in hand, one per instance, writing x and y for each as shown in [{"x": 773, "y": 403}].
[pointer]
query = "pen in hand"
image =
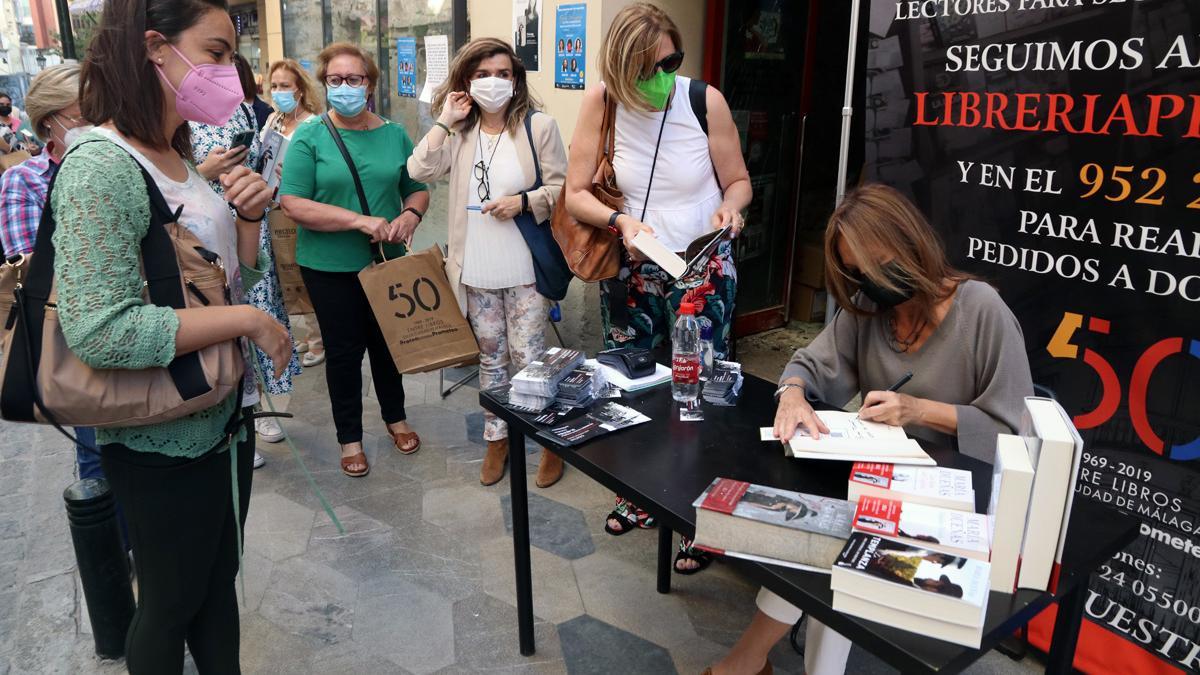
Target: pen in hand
[{"x": 895, "y": 387}]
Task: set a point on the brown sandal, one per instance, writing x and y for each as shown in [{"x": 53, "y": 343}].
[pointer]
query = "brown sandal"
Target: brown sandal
[
  {"x": 402, "y": 439},
  {"x": 359, "y": 458}
]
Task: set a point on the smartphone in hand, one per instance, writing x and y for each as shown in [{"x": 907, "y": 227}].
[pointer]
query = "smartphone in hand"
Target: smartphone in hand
[{"x": 243, "y": 138}]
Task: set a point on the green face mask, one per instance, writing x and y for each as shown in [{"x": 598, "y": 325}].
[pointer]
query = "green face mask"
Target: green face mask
[{"x": 657, "y": 89}]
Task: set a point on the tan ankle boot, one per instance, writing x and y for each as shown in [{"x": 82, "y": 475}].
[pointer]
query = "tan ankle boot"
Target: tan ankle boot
[
  {"x": 494, "y": 462},
  {"x": 549, "y": 470}
]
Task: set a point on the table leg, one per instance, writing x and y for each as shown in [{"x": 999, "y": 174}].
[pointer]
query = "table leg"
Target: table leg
[
  {"x": 520, "y": 530},
  {"x": 1066, "y": 630},
  {"x": 665, "y": 544}
]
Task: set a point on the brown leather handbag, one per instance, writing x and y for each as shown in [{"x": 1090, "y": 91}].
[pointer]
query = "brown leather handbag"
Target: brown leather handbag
[
  {"x": 593, "y": 253},
  {"x": 42, "y": 381}
]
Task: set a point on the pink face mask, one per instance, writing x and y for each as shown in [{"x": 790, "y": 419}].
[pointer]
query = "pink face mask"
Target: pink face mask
[{"x": 209, "y": 94}]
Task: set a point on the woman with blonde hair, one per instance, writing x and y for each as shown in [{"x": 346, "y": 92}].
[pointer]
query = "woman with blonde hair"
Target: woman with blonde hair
[
  {"x": 678, "y": 160},
  {"x": 904, "y": 309},
  {"x": 481, "y": 140},
  {"x": 295, "y": 99}
]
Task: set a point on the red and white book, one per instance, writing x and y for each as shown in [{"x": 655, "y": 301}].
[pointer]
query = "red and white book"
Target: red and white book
[
  {"x": 955, "y": 532},
  {"x": 930, "y": 485}
]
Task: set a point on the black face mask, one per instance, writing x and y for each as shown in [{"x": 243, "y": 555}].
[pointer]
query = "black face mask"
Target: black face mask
[
  {"x": 5, "y": 110},
  {"x": 885, "y": 298}
]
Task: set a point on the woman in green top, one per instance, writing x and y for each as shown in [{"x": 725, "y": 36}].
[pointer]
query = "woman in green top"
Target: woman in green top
[
  {"x": 154, "y": 65},
  {"x": 337, "y": 239}
]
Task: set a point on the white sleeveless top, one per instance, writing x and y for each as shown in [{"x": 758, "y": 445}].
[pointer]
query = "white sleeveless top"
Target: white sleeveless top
[
  {"x": 496, "y": 255},
  {"x": 685, "y": 193}
]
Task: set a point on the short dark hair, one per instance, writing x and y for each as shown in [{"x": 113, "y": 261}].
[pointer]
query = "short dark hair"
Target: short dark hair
[
  {"x": 119, "y": 83},
  {"x": 246, "y": 75},
  {"x": 4, "y": 94}
]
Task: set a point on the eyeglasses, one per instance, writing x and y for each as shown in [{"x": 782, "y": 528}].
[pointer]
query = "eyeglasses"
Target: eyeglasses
[
  {"x": 484, "y": 190},
  {"x": 669, "y": 63},
  {"x": 352, "y": 80}
]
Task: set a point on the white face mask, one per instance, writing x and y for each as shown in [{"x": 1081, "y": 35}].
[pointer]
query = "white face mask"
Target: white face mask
[
  {"x": 492, "y": 93},
  {"x": 72, "y": 134}
]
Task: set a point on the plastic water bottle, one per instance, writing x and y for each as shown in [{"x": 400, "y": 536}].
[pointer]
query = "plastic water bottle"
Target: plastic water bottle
[
  {"x": 685, "y": 355},
  {"x": 706, "y": 349}
]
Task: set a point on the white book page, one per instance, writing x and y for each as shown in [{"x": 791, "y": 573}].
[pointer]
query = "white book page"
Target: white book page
[
  {"x": 850, "y": 435},
  {"x": 664, "y": 257}
]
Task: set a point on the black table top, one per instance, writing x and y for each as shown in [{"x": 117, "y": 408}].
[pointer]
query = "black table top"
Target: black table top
[{"x": 664, "y": 464}]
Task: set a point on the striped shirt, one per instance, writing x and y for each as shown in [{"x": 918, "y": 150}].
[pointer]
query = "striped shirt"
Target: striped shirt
[{"x": 22, "y": 197}]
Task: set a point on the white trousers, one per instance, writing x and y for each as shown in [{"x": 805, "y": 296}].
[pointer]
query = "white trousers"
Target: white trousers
[{"x": 825, "y": 650}]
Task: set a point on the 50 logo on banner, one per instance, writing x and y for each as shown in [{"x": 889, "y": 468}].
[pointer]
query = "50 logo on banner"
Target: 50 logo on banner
[{"x": 1061, "y": 346}]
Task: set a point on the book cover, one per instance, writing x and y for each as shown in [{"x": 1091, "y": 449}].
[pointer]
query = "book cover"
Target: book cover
[
  {"x": 792, "y": 510},
  {"x": 274, "y": 146},
  {"x": 958, "y": 532},
  {"x": 934, "y": 485},
  {"x": 1055, "y": 449},
  {"x": 854, "y": 439},
  {"x": 917, "y": 579}
]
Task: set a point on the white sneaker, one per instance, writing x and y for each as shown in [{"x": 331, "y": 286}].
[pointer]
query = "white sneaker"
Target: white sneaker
[
  {"x": 268, "y": 429},
  {"x": 300, "y": 347},
  {"x": 311, "y": 359},
  {"x": 258, "y": 460}
]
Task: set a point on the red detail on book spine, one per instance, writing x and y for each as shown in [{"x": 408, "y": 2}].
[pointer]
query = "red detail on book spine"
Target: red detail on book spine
[
  {"x": 725, "y": 495},
  {"x": 879, "y": 516},
  {"x": 872, "y": 473}
]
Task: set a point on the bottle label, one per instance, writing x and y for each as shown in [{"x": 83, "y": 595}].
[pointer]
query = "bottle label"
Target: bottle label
[{"x": 685, "y": 368}]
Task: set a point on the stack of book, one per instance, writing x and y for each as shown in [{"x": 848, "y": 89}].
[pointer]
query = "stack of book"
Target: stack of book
[
  {"x": 580, "y": 387},
  {"x": 725, "y": 384},
  {"x": 766, "y": 524},
  {"x": 1012, "y": 481},
  {"x": 912, "y": 588},
  {"x": 536, "y": 386},
  {"x": 931, "y": 485},
  {"x": 1055, "y": 448}
]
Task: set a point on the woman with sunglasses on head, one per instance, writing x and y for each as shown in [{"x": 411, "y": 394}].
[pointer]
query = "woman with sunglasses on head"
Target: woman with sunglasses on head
[
  {"x": 679, "y": 183},
  {"x": 183, "y": 484},
  {"x": 337, "y": 238},
  {"x": 480, "y": 140}
]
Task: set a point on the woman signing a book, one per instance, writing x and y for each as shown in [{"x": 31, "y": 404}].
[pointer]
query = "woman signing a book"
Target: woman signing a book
[
  {"x": 903, "y": 309},
  {"x": 678, "y": 161}
]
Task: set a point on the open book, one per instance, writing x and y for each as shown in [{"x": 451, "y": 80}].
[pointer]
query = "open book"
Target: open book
[
  {"x": 698, "y": 252},
  {"x": 854, "y": 440}
]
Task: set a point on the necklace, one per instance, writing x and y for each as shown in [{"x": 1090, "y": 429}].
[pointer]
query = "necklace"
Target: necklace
[
  {"x": 482, "y": 169},
  {"x": 903, "y": 344}
]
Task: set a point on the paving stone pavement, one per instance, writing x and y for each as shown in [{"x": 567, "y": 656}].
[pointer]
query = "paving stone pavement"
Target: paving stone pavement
[{"x": 420, "y": 582}]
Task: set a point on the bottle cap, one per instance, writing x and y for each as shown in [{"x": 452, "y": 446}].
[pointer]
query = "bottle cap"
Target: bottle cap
[{"x": 687, "y": 308}]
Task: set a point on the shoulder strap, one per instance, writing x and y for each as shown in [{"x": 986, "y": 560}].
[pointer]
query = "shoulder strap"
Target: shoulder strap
[
  {"x": 698, "y": 96},
  {"x": 608, "y": 127},
  {"x": 537, "y": 165},
  {"x": 337, "y": 139},
  {"x": 250, "y": 119}
]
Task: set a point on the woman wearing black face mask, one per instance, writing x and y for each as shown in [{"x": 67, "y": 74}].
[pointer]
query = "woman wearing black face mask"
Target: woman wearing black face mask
[{"x": 904, "y": 309}]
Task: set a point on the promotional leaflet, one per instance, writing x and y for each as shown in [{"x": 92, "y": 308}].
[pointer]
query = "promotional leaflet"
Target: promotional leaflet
[
  {"x": 406, "y": 67},
  {"x": 526, "y": 33},
  {"x": 1054, "y": 146},
  {"x": 569, "y": 45}
]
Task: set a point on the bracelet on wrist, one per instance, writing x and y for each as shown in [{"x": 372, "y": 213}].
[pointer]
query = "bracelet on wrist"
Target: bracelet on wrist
[
  {"x": 524, "y": 202},
  {"x": 612, "y": 224},
  {"x": 449, "y": 131},
  {"x": 420, "y": 216},
  {"x": 246, "y": 218}
]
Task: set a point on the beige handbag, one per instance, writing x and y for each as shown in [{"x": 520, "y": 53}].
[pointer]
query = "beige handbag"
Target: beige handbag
[{"x": 42, "y": 381}]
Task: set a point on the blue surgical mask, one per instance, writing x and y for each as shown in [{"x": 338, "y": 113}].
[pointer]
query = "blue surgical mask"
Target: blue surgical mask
[
  {"x": 346, "y": 100},
  {"x": 284, "y": 100}
]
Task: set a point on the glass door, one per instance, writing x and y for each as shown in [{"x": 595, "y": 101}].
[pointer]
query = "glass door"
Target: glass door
[{"x": 762, "y": 79}]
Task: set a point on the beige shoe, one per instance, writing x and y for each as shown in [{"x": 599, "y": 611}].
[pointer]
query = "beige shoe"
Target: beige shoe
[
  {"x": 495, "y": 462},
  {"x": 549, "y": 470}
]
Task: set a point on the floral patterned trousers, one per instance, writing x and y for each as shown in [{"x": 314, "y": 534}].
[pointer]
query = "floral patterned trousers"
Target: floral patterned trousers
[{"x": 510, "y": 324}]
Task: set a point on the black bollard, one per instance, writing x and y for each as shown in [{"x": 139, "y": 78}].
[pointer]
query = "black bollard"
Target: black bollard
[{"x": 103, "y": 565}]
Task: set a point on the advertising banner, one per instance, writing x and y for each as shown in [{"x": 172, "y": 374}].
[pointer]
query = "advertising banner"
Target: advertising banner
[
  {"x": 1055, "y": 145},
  {"x": 527, "y": 19},
  {"x": 406, "y": 67},
  {"x": 570, "y": 43}
]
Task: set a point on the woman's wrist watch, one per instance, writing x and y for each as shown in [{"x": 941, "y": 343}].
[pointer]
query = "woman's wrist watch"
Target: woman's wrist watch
[
  {"x": 524, "y": 202},
  {"x": 612, "y": 224},
  {"x": 420, "y": 216}
]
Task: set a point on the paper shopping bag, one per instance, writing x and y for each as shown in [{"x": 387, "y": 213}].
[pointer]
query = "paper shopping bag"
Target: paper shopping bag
[
  {"x": 418, "y": 313},
  {"x": 283, "y": 244}
]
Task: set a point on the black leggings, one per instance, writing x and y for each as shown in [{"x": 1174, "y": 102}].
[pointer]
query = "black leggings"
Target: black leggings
[
  {"x": 184, "y": 537},
  {"x": 349, "y": 329}
]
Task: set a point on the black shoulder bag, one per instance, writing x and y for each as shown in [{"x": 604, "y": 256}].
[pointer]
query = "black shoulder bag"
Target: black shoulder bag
[{"x": 550, "y": 270}]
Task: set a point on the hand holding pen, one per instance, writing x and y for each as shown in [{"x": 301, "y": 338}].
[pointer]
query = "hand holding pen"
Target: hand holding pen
[{"x": 890, "y": 406}]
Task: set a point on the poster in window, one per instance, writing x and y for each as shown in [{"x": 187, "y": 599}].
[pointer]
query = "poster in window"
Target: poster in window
[
  {"x": 406, "y": 67},
  {"x": 569, "y": 45},
  {"x": 527, "y": 21}
]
